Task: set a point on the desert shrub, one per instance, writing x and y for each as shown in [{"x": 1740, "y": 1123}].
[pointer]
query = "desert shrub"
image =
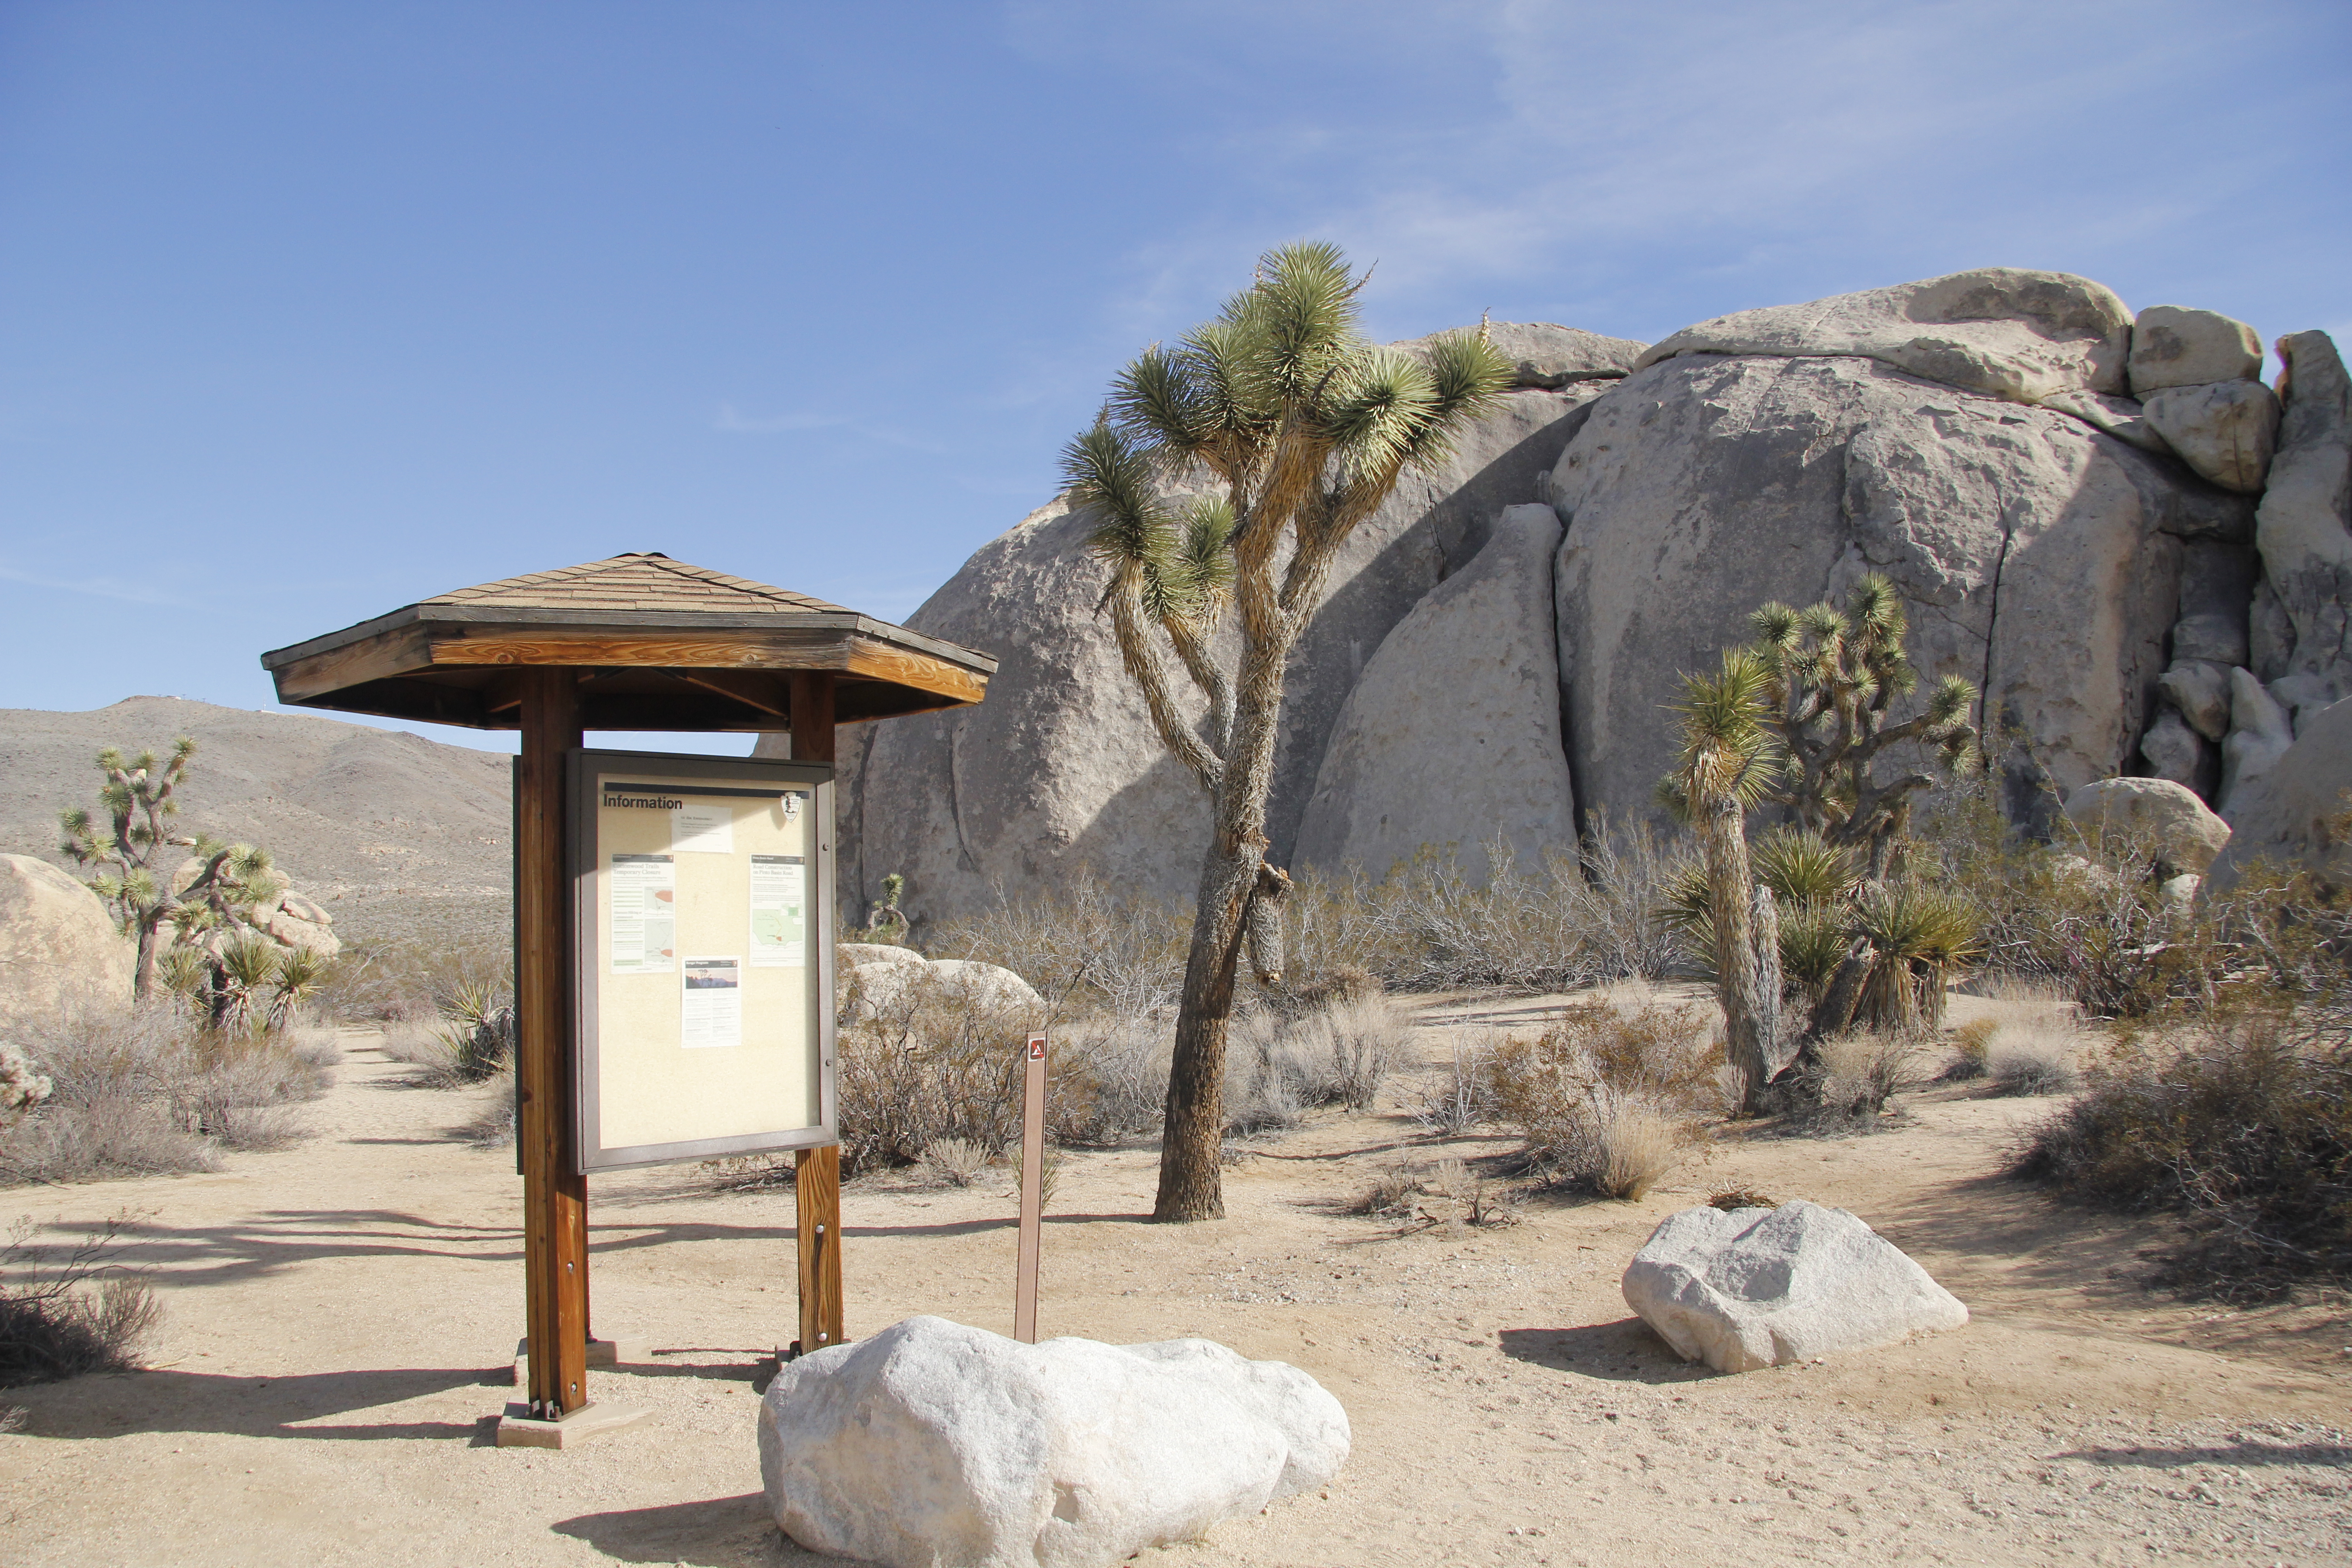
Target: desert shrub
[
  {"x": 1454, "y": 1098},
  {"x": 1085, "y": 949},
  {"x": 2241, "y": 1121},
  {"x": 2093, "y": 918},
  {"x": 1611, "y": 1097},
  {"x": 1844, "y": 1082},
  {"x": 1971, "y": 1043},
  {"x": 933, "y": 1061},
  {"x": 955, "y": 1162},
  {"x": 1573, "y": 921},
  {"x": 1444, "y": 1193},
  {"x": 1107, "y": 1076},
  {"x": 491, "y": 1123},
  {"x": 69, "y": 1318},
  {"x": 412, "y": 964},
  {"x": 143, "y": 1091},
  {"x": 1278, "y": 1067}
]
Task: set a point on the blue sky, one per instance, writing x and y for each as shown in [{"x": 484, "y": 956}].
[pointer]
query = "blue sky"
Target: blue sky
[{"x": 311, "y": 311}]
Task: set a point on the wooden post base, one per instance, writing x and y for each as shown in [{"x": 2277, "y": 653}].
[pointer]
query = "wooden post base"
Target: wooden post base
[
  {"x": 517, "y": 1429},
  {"x": 604, "y": 1353}
]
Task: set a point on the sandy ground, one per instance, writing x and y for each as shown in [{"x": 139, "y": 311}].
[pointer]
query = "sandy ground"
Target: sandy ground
[{"x": 338, "y": 1320}]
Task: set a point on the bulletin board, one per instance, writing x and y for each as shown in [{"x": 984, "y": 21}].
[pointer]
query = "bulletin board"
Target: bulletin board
[{"x": 703, "y": 913}]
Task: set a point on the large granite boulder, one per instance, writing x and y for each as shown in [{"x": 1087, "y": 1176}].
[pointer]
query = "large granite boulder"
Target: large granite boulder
[
  {"x": 1743, "y": 1290},
  {"x": 2226, "y": 430},
  {"x": 1452, "y": 736},
  {"x": 2159, "y": 815},
  {"x": 1060, "y": 769},
  {"x": 2000, "y": 330},
  {"x": 58, "y": 944},
  {"x": 2175, "y": 347},
  {"x": 2302, "y": 639},
  {"x": 2040, "y": 559},
  {"x": 2293, "y": 817},
  {"x": 937, "y": 1446}
]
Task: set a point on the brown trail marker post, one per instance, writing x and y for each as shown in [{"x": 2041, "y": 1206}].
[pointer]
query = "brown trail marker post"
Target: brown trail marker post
[
  {"x": 1033, "y": 1190},
  {"x": 638, "y": 642}
]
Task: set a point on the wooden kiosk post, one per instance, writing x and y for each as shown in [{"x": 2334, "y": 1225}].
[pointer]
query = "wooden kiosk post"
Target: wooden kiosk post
[{"x": 634, "y": 642}]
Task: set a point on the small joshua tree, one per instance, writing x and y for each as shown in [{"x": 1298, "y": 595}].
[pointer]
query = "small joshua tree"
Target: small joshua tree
[
  {"x": 888, "y": 923},
  {"x": 141, "y": 799},
  {"x": 1832, "y": 677},
  {"x": 1729, "y": 761}
]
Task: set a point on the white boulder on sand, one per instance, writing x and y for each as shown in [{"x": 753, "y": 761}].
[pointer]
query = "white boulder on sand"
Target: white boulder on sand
[
  {"x": 937, "y": 1446},
  {"x": 1747, "y": 1288},
  {"x": 58, "y": 943}
]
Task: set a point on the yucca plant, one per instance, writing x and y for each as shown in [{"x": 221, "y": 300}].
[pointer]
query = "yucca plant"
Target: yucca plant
[
  {"x": 1729, "y": 763},
  {"x": 1292, "y": 429},
  {"x": 1920, "y": 933}
]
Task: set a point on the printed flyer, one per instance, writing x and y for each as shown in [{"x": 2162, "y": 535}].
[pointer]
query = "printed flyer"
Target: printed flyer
[{"x": 644, "y": 914}]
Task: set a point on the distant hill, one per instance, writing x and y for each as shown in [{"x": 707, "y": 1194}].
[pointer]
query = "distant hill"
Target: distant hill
[{"x": 369, "y": 822}]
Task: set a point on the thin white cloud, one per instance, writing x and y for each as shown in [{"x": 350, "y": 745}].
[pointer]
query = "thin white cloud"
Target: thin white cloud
[
  {"x": 734, "y": 422},
  {"x": 95, "y": 587}
]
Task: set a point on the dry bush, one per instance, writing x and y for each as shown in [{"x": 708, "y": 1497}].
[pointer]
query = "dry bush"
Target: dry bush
[
  {"x": 1569, "y": 923},
  {"x": 67, "y": 1318},
  {"x": 1084, "y": 949},
  {"x": 1442, "y": 1194},
  {"x": 2033, "y": 1061},
  {"x": 142, "y": 1092},
  {"x": 1971, "y": 1043},
  {"x": 491, "y": 1124},
  {"x": 955, "y": 1162},
  {"x": 934, "y": 1060},
  {"x": 2243, "y": 1120},
  {"x": 1454, "y": 1098},
  {"x": 1845, "y": 1085},
  {"x": 1107, "y": 1076},
  {"x": 1279, "y": 1067},
  {"x": 1611, "y": 1097},
  {"x": 415, "y": 959}
]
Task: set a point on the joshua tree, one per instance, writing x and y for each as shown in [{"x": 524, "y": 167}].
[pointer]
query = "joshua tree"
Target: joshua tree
[
  {"x": 1295, "y": 429},
  {"x": 140, "y": 798},
  {"x": 1832, "y": 676},
  {"x": 1728, "y": 765}
]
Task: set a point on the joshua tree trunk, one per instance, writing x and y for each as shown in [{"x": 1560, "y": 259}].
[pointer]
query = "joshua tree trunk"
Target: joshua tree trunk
[
  {"x": 1194, "y": 1122},
  {"x": 1767, "y": 938},
  {"x": 1730, "y": 891}
]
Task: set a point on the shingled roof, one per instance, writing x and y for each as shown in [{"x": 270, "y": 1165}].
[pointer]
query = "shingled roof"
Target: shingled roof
[
  {"x": 643, "y": 580},
  {"x": 660, "y": 645}
]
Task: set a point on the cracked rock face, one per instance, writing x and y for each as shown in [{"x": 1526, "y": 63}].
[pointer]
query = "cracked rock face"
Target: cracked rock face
[
  {"x": 1452, "y": 734},
  {"x": 2040, "y": 558}
]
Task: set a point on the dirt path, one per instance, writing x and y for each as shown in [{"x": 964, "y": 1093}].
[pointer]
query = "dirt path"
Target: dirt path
[{"x": 340, "y": 1318}]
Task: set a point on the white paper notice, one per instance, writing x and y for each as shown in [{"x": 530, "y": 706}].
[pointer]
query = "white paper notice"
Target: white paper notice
[
  {"x": 713, "y": 1013},
  {"x": 697, "y": 828},
  {"x": 644, "y": 914},
  {"x": 779, "y": 913}
]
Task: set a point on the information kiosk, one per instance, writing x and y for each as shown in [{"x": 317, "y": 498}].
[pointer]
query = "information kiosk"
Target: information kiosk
[{"x": 673, "y": 915}]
